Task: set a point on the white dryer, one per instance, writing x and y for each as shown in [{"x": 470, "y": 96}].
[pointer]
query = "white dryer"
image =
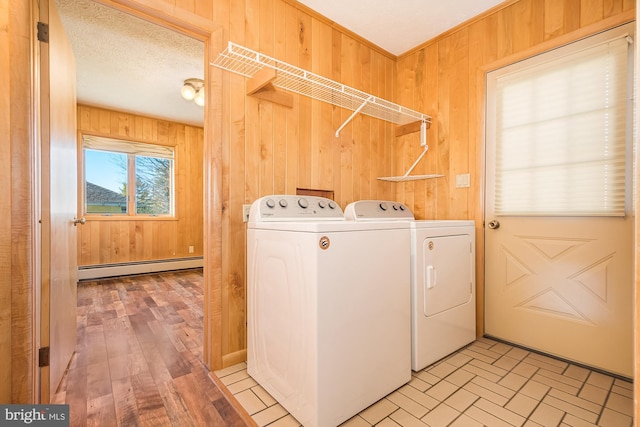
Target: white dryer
[
  {"x": 443, "y": 291},
  {"x": 442, "y": 279},
  {"x": 328, "y": 307}
]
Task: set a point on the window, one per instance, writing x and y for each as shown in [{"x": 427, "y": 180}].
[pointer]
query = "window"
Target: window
[
  {"x": 127, "y": 178},
  {"x": 560, "y": 123}
]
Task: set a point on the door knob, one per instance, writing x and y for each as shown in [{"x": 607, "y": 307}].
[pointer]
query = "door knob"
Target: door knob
[
  {"x": 493, "y": 224},
  {"x": 77, "y": 221}
]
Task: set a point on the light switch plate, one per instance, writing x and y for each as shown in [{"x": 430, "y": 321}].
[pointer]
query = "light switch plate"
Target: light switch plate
[{"x": 463, "y": 180}]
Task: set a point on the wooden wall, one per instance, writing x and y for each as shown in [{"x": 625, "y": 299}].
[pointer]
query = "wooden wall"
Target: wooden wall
[
  {"x": 270, "y": 149},
  {"x": 106, "y": 240},
  {"x": 17, "y": 281},
  {"x": 5, "y": 210}
]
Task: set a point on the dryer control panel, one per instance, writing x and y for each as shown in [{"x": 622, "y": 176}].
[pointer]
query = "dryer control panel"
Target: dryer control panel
[
  {"x": 376, "y": 210},
  {"x": 294, "y": 208}
]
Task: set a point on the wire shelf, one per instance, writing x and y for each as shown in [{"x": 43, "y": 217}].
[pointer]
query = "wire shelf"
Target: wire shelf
[{"x": 246, "y": 62}]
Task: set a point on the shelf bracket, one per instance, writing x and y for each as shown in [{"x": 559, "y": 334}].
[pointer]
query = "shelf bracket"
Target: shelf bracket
[
  {"x": 370, "y": 98},
  {"x": 261, "y": 86}
]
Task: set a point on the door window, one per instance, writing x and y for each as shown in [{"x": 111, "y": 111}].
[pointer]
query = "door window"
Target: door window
[{"x": 560, "y": 126}]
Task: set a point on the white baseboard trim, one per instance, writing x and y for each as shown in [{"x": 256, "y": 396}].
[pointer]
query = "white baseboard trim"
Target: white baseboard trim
[{"x": 86, "y": 272}]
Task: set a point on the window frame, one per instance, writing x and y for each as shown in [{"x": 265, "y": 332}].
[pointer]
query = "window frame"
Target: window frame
[{"x": 141, "y": 148}]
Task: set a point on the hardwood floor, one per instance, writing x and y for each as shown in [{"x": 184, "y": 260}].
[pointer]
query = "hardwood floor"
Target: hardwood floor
[{"x": 138, "y": 359}]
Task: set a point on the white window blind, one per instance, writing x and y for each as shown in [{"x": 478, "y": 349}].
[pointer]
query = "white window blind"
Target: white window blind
[
  {"x": 129, "y": 147},
  {"x": 561, "y": 134}
]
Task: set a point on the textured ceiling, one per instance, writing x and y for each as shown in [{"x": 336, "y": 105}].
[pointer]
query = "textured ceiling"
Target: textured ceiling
[{"x": 129, "y": 64}]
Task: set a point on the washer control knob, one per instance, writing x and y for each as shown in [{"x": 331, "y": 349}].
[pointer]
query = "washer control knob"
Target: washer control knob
[
  {"x": 332, "y": 205},
  {"x": 322, "y": 204},
  {"x": 303, "y": 203},
  {"x": 270, "y": 203},
  {"x": 383, "y": 206},
  {"x": 283, "y": 203}
]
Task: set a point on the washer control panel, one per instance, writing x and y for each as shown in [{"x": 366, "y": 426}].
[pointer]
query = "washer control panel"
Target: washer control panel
[
  {"x": 294, "y": 208},
  {"x": 364, "y": 210}
]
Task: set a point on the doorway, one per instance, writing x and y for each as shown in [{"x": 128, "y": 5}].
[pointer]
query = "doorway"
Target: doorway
[{"x": 204, "y": 35}]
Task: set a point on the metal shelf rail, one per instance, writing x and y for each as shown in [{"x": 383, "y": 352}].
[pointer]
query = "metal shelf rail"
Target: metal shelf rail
[
  {"x": 246, "y": 62},
  {"x": 251, "y": 64}
]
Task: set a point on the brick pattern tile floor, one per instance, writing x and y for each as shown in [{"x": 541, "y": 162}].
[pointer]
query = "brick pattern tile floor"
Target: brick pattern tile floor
[{"x": 487, "y": 383}]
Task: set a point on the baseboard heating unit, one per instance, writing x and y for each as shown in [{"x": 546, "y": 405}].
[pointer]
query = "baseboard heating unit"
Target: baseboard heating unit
[{"x": 86, "y": 272}]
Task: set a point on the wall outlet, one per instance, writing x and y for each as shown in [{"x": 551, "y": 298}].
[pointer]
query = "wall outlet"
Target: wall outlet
[
  {"x": 191, "y": 250},
  {"x": 245, "y": 212}
]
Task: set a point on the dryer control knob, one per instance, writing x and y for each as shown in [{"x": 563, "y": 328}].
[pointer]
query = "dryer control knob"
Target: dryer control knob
[
  {"x": 322, "y": 204},
  {"x": 383, "y": 206},
  {"x": 283, "y": 203},
  {"x": 332, "y": 205},
  {"x": 270, "y": 203},
  {"x": 303, "y": 203}
]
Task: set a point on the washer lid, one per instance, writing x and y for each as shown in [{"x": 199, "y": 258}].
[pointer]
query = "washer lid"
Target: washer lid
[{"x": 376, "y": 210}]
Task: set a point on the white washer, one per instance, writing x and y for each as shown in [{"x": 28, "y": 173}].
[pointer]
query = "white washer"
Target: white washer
[
  {"x": 328, "y": 307},
  {"x": 443, "y": 291},
  {"x": 443, "y": 301}
]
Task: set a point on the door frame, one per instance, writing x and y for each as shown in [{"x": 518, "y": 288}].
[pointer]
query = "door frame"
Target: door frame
[
  {"x": 480, "y": 160},
  {"x": 201, "y": 29}
]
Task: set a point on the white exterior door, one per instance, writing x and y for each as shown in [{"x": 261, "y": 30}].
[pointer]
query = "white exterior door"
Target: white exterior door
[{"x": 558, "y": 282}]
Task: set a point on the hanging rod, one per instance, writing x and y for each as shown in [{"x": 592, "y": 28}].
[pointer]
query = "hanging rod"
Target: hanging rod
[{"x": 246, "y": 62}]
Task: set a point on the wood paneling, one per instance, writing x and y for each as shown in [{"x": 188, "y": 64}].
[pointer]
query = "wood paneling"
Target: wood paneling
[
  {"x": 106, "y": 240},
  {"x": 5, "y": 208},
  {"x": 454, "y": 90},
  {"x": 268, "y": 148},
  {"x": 17, "y": 223}
]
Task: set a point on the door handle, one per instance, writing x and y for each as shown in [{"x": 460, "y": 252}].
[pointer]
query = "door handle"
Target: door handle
[
  {"x": 431, "y": 276},
  {"x": 77, "y": 221},
  {"x": 493, "y": 224}
]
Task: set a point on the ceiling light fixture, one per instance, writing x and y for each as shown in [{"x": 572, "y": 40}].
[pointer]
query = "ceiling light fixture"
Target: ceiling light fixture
[{"x": 193, "y": 89}]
